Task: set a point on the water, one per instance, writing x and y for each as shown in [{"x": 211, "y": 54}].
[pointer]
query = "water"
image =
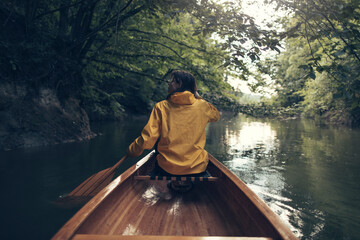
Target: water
[{"x": 307, "y": 173}]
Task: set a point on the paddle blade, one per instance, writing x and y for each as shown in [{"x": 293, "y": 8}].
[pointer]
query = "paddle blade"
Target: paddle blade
[
  {"x": 91, "y": 186},
  {"x": 94, "y": 184},
  {"x": 86, "y": 190}
]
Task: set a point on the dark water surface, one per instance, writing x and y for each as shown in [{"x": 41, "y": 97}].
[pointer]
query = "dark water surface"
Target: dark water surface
[{"x": 307, "y": 173}]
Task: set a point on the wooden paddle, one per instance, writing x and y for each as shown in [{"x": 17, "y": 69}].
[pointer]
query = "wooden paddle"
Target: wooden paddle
[{"x": 90, "y": 187}]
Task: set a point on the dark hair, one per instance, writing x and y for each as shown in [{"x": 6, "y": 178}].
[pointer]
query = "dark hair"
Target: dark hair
[{"x": 186, "y": 79}]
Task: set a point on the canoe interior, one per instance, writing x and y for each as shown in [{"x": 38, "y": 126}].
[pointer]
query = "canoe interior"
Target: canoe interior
[{"x": 137, "y": 207}]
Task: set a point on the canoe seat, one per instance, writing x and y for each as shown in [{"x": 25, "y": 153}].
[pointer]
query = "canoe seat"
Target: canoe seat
[{"x": 206, "y": 177}]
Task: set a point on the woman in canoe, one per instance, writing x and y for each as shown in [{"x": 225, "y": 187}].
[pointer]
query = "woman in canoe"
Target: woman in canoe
[{"x": 178, "y": 124}]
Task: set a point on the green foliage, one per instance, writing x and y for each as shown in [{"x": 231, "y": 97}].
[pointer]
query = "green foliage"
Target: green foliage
[
  {"x": 320, "y": 67},
  {"x": 225, "y": 102},
  {"x": 318, "y": 95},
  {"x": 136, "y": 62},
  {"x": 100, "y": 105},
  {"x": 271, "y": 110},
  {"x": 113, "y": 54}
]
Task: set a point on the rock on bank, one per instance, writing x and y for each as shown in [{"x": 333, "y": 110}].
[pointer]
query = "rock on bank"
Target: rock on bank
[{"x": 28, "y": 119}]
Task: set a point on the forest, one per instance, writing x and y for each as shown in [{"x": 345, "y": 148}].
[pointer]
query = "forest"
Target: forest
[{"x": 65, "y": 64}]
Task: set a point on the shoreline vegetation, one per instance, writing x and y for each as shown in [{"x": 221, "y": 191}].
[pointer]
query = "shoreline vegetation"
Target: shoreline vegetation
[
  {"x": 47, "y": 121},
  {"x": 269, "y": 109},
  {"x": 64, "y": 64}
]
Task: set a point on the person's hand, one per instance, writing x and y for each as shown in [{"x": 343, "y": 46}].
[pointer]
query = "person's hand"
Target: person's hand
[{"x": 197, "y": 96}]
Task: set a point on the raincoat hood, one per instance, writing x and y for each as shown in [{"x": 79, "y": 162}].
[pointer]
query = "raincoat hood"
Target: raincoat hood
[{"x": 183, "y": 98}]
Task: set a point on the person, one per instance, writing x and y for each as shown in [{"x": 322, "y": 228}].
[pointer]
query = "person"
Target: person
[{"x": 177, "y": 125}]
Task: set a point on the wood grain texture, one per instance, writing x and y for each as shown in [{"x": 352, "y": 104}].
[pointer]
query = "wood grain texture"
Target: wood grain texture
[
  {"x": 254, "y": 207},
  {"x": 95, "y": 183},
  {"x": 129, "y": 207},
  {"x": 118, "y": 237},
  {"x": 148, "y": 208}
]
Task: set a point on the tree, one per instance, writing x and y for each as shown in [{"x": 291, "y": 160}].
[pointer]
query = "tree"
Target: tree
[
  {"x": 61, "y": 40},
  {"x": 329, "y": 58},
  {"x": 112, "y": 56}
]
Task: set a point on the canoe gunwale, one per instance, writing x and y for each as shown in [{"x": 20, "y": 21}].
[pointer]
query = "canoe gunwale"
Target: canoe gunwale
[
  {"x": 71, "y": 226},
  {"x": 69, "y": 230},
  {"x": 272, "y": 217}
]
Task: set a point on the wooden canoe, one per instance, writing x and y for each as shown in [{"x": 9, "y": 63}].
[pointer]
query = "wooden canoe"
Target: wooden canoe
[{"x": 134, "y": 207}]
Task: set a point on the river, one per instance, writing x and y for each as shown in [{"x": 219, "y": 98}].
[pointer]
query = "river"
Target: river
[{"x": 307, "y": 173}]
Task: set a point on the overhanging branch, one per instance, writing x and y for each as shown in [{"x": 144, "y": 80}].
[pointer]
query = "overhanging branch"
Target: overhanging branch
[{"x": 126, "y": 69}]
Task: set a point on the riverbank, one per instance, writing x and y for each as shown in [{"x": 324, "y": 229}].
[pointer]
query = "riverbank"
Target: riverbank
[
  {"x": 32, "y": 119},
  {"x": 335, "y": 117},
  {"x": 29, "y": 120}
]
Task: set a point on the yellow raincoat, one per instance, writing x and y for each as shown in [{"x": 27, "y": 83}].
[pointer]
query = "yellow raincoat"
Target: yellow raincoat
[{"x": 180, "y": 123}]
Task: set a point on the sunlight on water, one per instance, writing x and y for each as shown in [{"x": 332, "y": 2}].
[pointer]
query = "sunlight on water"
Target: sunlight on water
[
  {"x": 253, "y": 142},
  {"x": 292, "y": 166},
  {"x": 252, "y": 138},
  {"x": 308, "y": 174},
  {"x": 251, "y": 135}
]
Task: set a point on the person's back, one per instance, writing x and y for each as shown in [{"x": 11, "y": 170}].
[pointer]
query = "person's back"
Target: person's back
[
  {"x": 182, "y": 142},
  {"x": 180, "y": 123}
]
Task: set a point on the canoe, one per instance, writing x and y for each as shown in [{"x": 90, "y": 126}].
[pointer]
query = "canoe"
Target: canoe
[{"x": 133, "y": 206}]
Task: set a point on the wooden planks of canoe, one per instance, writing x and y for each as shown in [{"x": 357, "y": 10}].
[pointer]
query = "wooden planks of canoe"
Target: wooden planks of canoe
[{"x": 134, "y": 208}]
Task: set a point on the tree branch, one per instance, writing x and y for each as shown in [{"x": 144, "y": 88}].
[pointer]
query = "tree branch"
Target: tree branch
[
  {"x": 107, "y": 24},
  {"x": 320, "y": 12},
  {"x": 173, "y": 40},
  {"x": 126, "y": 69},
  {"x": 148, "y": 41},
  {"x": 144, "y": 55},
  {"x": 59, "y": 9}
]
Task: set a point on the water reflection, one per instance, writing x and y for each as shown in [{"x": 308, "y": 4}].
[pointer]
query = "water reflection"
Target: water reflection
[
  {"x": 32, "y": 178},
  {"x": 307, "y": 174},
  {"x": 252, "y": 145}
]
